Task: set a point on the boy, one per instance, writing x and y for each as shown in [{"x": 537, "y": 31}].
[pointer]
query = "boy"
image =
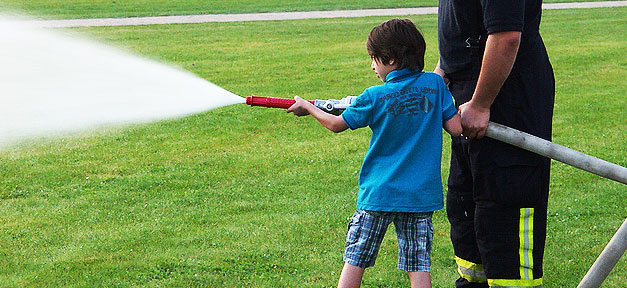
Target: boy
[{"x": 400, "y": 177}]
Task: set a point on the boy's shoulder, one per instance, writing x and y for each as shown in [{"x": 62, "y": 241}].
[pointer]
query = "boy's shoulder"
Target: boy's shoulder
[
  {"x": 376, "y": 89},
  {"x": 425, "y": 78},
  {"x": 422, "y": 76},
  {"x": 431, "y": 76}
]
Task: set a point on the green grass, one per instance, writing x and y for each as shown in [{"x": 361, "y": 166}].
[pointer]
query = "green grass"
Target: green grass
[
  {"x": 108, "y": 8},
  {"x": 252, "y": 197},
  {"x": 61, "y": 9}
]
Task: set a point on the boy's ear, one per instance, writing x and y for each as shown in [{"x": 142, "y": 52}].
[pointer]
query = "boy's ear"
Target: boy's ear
[{"x": 391, "y": 62}]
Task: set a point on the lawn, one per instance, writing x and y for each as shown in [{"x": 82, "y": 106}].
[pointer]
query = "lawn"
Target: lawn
[
  {"x": 251, "y": 197},
  {"x": 62, "y": 9}
]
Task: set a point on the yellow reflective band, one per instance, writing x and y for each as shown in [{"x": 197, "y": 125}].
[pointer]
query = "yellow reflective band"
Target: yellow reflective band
[
  {"x": 526, "y": 243},
  {"x": 468, "y": 264},
  {"x": 535, "y": 283},
  {"x": 470, "y": 271}
]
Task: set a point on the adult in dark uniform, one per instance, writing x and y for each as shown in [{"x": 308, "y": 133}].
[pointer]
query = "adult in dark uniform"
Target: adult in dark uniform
[{"x": 497, "y": 68}]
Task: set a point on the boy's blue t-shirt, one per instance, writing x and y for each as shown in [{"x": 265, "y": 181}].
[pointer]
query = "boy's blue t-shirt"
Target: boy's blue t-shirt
[{"x": 401, "y": 170}]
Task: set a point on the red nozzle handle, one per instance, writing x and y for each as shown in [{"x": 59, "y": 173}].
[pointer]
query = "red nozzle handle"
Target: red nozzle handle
[{"x": 271, "y": 102}]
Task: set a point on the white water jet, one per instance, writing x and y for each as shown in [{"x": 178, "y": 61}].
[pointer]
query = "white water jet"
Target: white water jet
[{"x": 51, "y": 82}]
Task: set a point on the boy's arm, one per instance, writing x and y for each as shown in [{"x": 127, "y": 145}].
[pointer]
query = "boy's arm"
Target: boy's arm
[
  {"x": 453, "y": 126},
  {"x": 440, "y": 72},
  {"x": 331, "y": 122}
]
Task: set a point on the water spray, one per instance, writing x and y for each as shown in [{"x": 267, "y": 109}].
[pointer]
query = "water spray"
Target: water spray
[{"x": 54, "y": 82}]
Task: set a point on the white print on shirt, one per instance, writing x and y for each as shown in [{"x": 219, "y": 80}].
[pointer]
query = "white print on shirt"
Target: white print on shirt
[{"x": 411, "y": 100}]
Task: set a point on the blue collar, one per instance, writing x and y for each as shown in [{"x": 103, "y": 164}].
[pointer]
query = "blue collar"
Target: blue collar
[{"x": 400, "y": 74}]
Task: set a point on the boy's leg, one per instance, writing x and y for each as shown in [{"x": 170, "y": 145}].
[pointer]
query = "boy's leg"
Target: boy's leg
[
  {"x": 363, "y": 240},
  {"x": 351, "y": 276},
  {"x": 419, "y": 279},
  {"x": 414, "y": 232}
]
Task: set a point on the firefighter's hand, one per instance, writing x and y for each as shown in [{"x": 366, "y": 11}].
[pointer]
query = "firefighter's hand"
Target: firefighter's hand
[
  {"x": 301, "y": 107},
  {"x": 474, "y": 120}
]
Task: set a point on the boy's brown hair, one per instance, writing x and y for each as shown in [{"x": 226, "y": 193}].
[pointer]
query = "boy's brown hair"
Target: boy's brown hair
[{"x": 397, "y": 39}]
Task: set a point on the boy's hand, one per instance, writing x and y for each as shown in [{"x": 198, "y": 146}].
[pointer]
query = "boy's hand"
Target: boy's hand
[
  {"x": 300, "y": 108},
  {"x": 332, "y": 122}
]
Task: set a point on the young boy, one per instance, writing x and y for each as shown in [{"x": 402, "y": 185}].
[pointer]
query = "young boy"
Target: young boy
[{"x": 400, "y": 179}]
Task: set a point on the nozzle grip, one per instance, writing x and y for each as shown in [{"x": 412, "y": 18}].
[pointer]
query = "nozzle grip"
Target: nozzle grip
[{"x": 270, "y": 102}]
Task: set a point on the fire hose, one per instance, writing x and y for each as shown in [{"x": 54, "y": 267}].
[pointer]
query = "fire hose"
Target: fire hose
[
  {"x": 495, "y": 131},
  {"x": 617, "y": 246},
  {"x": 332, "y": 106}
]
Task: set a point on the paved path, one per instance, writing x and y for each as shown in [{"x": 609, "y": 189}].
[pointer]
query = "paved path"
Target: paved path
[{"x": 282, "y": 15}]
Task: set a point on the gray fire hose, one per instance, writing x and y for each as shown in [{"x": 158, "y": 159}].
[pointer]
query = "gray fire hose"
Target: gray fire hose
[
  {"x": 557, "y": 152},
  {"x": 607, "y": 260},
  {"x": 617, "y": 246}
]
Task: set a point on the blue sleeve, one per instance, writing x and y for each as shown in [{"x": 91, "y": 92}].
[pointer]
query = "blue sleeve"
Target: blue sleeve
[
  {"x": 503, "y": 15},
  {"x": 448, "y": 107},
  {"x": 359, "y": 114}
]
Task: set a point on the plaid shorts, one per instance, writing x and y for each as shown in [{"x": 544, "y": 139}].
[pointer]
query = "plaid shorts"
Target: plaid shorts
[{"x": 414, "y": 232}]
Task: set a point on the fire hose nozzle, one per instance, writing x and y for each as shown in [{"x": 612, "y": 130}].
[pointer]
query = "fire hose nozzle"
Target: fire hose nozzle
[
  {"x": 270, "y": 102},
  {"x": 331, "y": 106}
]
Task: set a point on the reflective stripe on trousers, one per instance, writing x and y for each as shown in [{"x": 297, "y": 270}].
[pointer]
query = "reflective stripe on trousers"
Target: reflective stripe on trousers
[
  {"x": 470, "y": 271},
  {"x": 525, "y": 254}
]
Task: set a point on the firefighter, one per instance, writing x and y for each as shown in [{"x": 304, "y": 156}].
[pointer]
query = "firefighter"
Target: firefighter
[{"x": 497, "y": 68}]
